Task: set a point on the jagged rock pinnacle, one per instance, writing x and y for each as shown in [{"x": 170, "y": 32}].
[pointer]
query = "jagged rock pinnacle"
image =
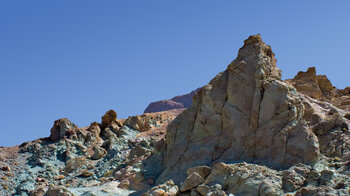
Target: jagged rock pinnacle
[{"x": 246, "y": 113}]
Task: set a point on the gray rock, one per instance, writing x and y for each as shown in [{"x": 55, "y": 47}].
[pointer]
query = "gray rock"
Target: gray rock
[{"x": 191, "y": 181}]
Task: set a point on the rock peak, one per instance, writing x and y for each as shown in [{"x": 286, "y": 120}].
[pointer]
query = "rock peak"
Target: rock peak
[
  {"x": 253, "y": 39},
  {"x": 246, "y": 113},
  {"x": 256, "y": 59}
]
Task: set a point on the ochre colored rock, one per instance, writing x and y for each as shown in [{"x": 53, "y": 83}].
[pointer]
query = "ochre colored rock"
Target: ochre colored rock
[
  {"x": 315, "y": 86},
  {"x": 108, "y": 118}
]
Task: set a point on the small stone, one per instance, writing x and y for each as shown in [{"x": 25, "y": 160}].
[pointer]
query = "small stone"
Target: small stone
[
  {"x": 6, "y": 168},
  {"x": 326, "y": 176},
  {"x": 98, "y": 153},
  {"x": 203, "y": 189},
  {"x": 150, "y": 181},
  {"x": 40, "y": 179},
  {"x": 158, "y": 192},
  {"x": 347, "y": 116},
  {"x": 124, "y": 184},
  {"x": 58, "y": 191},
  {"x": 203, "y": 171},
  {"x": 60, "y": 177},
  {"x": 191, "y": 181},
  {"x": 86, "y": 174}
]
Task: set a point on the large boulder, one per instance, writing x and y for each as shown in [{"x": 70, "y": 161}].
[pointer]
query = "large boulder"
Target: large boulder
[
  {"x": 109, "y": 117},
  {"x": 246, "y": 113},
  {"x": 60, "y": 128}
]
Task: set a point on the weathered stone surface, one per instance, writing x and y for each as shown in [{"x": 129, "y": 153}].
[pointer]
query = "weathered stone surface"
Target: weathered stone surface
[
  {"x": 316, "y": 86},
  {"x": 108, "y": 118},
  {"x": 330, "y": 126},
  {"x": 320, "y": 88},
  {"x": 203, "y": 171},
  {"x": 146, "y": 122},
  {"x": 38, "y": 192},
  {"x": 191, "y": 181},
  {"x": 74, "y": 164},
  {"x": 98, "y": 153},
  {"x": 246, "y": 113},
  {"x": 166, "y": 189},
  {"x": 140, "y": 123},
  {"x": 58, "y": 191},
  {"x": 60, "y": 128},
  {"x": 235, "y": 179},
  {"x": 294, "y": 178}
]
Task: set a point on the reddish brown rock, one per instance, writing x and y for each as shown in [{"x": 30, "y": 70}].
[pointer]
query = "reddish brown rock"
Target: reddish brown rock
[
  {"x": 178, "y": 102},
  {"x": 108, "y": 118},
  {"x": 60, "y": 128}
]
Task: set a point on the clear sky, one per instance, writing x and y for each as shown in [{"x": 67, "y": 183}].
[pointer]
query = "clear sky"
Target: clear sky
[{"x": 78, "y": 59}]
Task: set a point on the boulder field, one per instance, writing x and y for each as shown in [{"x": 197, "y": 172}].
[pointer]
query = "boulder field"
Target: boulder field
[{"x": 247, "y": 132}]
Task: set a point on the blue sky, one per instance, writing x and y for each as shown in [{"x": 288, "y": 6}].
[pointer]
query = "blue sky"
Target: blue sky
[{"x": 78, "y": 59}]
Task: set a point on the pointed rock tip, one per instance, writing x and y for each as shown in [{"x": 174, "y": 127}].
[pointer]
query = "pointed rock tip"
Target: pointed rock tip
[
  {"x": 262, "y": 47},
  {"x": 253, "y": 39}
]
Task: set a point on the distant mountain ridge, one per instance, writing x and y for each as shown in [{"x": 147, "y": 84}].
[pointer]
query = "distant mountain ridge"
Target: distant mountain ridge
[{"x": 177, "y": 102}]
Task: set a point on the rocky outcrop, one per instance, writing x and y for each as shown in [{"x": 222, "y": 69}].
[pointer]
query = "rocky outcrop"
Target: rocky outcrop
[
  {"x": 60, "y": 128},
  {"x": 246, "y": 113},
  {"x": 110, "y": 118},
  {"x": 178, "y": 102},
  {"x": 320, "y": 88},
  {"x": 296, "y": 141},
  {"x": 315, "y": 86},
  {"x": 151, "y": 121},
  {"x": 251, "y": 179},
  {"x": 102, "y": 159},
  {"x": 168, "y": 188}
]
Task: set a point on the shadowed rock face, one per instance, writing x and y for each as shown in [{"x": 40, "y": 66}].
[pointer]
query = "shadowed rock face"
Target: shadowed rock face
[
  {"x": 246, "y": 113},
  {"x": 178, "y": 102}
]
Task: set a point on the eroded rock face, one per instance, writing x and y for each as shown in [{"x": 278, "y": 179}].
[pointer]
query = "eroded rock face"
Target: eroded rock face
[
  {"x": 246, "y": 113},
  {"x": 109, "y": 118},
  {"x": 320, "y": 88},
  {"x": 60, "y": 128},
  {"x": 236, "y": 179},
  {"x": 315, "y": 86},
  {"x": 251, "y": 179},
  {"x": 168, "y": 188}
]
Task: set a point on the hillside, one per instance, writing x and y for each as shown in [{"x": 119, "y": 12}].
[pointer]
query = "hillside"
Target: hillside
[{"x": 247, "y": 132}]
